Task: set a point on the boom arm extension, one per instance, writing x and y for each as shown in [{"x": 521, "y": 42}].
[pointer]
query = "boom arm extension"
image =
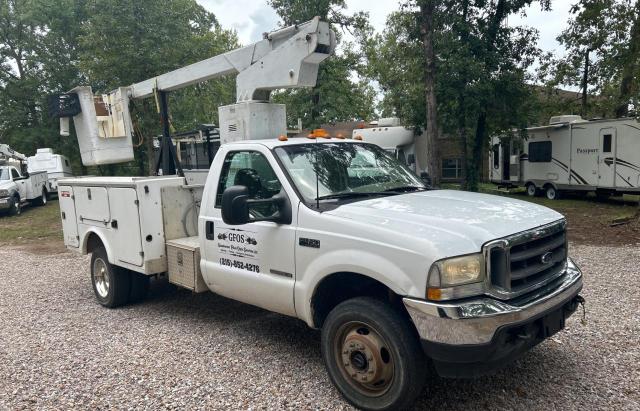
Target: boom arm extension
[{"x": 285, "y": 58}]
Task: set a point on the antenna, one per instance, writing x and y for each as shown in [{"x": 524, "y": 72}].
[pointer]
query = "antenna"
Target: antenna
[{"x": 317, "y": 180}]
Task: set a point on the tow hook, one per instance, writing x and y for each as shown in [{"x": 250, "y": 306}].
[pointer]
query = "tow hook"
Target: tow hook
[{"x": 580, "y": 300}]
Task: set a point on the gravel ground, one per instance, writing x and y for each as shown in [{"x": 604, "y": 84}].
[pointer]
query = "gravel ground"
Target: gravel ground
[{"x": 59, "y": 349}]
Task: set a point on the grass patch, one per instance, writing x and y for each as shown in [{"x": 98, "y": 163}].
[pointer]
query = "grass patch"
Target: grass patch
[
  {"x": 33, "y": 224},
  {"x": 613, "y": 209}
]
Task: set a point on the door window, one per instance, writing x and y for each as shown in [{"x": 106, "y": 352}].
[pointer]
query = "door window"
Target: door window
[
  {"x": 252, "y": 170},
  {"x": 14, "y": 174},
  {"x": 606, "y": 143}
]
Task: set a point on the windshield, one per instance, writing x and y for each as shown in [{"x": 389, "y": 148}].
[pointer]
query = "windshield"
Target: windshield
[
  {"x": 4, "y": 173},
  {"x": 345, "y": 169}
]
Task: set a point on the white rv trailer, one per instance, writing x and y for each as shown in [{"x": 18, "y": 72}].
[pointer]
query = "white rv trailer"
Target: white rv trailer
[
  {"x": 393, "y": 137},
  {"x": 56, "y": 165},
  {"x": 571, "y": 154}
]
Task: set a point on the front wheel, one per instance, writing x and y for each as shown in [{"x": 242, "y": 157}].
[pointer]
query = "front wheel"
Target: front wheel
[
  {"x": 531, "y": 190},
  {"x": 15, "y": 208},
  {"x": 373, "y": 355}
]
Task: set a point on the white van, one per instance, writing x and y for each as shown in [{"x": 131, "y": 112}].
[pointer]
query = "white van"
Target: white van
[{"x": 56, "y": 165}]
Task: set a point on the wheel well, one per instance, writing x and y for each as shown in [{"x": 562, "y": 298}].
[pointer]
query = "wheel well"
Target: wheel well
[
  {"x": 340, "y": 287},
  {"x": 93, "y": 242},
  {"x": 547, "y": 185}
]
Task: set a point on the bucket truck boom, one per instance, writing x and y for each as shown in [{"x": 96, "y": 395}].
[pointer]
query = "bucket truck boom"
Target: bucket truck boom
[{"x": 285, "y": 58}]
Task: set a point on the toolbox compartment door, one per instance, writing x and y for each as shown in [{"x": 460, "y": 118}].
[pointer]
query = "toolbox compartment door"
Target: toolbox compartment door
[
  {"x": 125, "y": 225},
  {"x": 68, "y": 216},
  {"x": 92, "y": 205}
]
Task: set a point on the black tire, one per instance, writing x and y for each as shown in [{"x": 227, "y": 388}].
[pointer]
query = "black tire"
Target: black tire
[
  {"x": 139, "y": 287},
  {"x": 551, "y": 193},
  {"x": 116, "y": 292},
  {"x": 15, "y": 208},
  {"x": 532, "y": 191},
  {"x": 42, "y": 200},
  {"x": 400, "y": 348}
]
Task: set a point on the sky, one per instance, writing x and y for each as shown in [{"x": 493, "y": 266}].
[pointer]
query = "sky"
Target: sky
[{"x": 251, "y": 18}]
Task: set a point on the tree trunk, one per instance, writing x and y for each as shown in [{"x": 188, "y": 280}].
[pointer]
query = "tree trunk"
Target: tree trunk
[
  {"x": 585, "y": 83},
  {"x": 630, "y": 69},
  {"x": 427, "y": 146},
  {"x": 475, "y": 168}
]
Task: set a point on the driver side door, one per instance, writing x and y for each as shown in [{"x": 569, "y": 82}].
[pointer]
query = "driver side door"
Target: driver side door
[
  {"x": 253, "y": 263},
  {"x": 20, "y": 182}
]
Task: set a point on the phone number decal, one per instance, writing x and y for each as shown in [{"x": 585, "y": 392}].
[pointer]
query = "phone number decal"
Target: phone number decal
[{"x": 240, "y": 265}]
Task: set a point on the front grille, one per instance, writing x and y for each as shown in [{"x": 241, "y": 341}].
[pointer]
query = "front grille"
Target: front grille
[{"x": 526, "y": 261}]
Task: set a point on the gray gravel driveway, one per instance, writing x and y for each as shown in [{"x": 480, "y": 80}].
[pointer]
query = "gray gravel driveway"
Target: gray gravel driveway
[{"x": 60, "y": 349}]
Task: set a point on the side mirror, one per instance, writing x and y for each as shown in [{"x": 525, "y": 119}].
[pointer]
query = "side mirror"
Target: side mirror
[
  {"x": 236, "y": 205},
  {"x": 235, "y": 210}
]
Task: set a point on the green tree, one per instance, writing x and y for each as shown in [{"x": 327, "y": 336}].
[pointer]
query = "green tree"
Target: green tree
[
  {"x": 602, "y": 56},
  {"x": 481, "y": 78},
  {"x": 124, "y": 42},
  {"x": 339, "y": 94}
]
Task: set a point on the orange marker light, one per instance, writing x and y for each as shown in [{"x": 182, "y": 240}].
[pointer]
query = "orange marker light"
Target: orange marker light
[
  {"x": 358, "y": 137},
  {"x": 340, "y": 136},
  {"x": 434, "y": 294},
  {"x": 282, "y": 137},
  {"x": 311, "y": 136}
]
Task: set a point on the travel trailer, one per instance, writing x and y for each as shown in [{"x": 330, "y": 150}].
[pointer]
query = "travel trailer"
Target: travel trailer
[
  {"x": 570, "y": 154},
  {"x": 393, "y": 137},
  {"x": 56, "y": 165}
]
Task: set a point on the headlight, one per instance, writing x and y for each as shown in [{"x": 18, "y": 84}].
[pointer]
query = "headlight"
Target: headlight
[
  {"x": 4, "y": 193},
  {"x": 456, "y": 277}
]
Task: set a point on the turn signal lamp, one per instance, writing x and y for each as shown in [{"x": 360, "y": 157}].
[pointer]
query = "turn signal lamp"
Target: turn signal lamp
[
  {"x": 434, "y": 294},
  {"x": 340, "y": 136},
  {"x": 282, "y": 137},
  {"x": 358, "y": 137}
]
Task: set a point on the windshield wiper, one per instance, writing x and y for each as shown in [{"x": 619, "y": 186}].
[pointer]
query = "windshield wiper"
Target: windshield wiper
[
  {"x": 353, "y": 194},
  {"x": 405, "y": 189}
]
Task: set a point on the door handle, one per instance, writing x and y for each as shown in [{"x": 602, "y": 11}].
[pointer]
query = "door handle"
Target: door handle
[{"x": 209, "y": 230}]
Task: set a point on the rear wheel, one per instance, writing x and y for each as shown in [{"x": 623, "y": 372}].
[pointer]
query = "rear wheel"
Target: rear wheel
[
  {"x": 373, "y": 355},
  {"x": 111, "y": 284},
  {"x": 531, "y": 190},
  {"x": 42, "y": 200},
  {"x": 552, "y": 193}
]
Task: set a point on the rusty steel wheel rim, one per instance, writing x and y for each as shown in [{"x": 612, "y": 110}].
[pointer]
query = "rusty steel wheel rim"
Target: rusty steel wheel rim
[{"x": 364, "y": 358}]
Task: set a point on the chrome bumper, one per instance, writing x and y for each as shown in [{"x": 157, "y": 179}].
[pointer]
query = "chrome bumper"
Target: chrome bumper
[
  {"x": 4, "y": 203},
  {"x": 475, "y": 321}
]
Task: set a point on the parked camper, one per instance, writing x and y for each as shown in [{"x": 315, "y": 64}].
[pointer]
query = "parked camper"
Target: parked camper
[
  {"x": 56, "y": 165},
  {"x": 393, "y": 137},
  {"x": 571, "y": 154}
]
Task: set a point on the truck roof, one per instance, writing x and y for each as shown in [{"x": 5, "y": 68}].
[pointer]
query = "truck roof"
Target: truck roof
[{"x": 273, "y": 143}]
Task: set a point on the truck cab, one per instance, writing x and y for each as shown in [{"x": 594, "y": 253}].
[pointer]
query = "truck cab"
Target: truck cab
[{"x": 17, "y": 187}]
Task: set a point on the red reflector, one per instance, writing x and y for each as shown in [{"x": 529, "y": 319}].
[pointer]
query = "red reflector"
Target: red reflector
[{"x": 65, "y": 194}]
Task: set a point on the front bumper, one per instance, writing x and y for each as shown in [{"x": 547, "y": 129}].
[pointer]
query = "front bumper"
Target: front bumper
[
  {"x": 5, "y": 203},
  {"x": 486, "y": 330}
]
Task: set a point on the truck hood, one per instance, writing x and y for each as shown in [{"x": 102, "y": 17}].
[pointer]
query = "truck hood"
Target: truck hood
[
  {"x": 6, "y": 184},
  {"x": 449, "y": 221}
]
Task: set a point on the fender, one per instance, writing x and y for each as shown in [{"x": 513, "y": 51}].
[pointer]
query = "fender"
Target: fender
[
  {"x": 349, "y": 260},
  {"x": 85, "y": 240}
]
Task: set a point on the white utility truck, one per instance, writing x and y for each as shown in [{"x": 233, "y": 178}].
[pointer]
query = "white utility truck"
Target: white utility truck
[
  {"x": 392, "y": 273},
  {"x": 571, "y": 154},
  {"x": 17, "y": 185},
  {"x": 56, "y": 166}
]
